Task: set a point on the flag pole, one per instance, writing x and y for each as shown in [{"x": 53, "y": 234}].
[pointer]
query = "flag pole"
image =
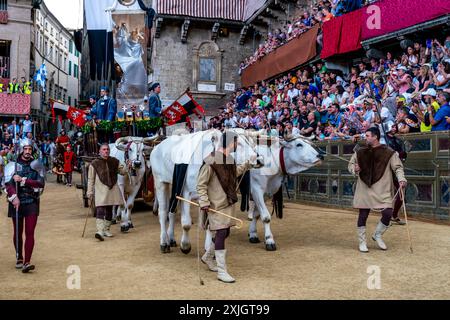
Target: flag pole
[{"x": 17, "y": 188}]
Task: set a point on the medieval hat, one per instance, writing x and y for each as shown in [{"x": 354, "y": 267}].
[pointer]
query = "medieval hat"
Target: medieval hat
[{"x": 154, "y": 86}]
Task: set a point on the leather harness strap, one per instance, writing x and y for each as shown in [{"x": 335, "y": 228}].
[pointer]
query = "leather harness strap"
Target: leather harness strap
[{"x": 282, "y": 163}]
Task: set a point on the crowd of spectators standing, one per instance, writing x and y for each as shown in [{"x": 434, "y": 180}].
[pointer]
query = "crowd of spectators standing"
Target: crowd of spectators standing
[
  {"x": 324, "y": 11},
  {"x": 408, "y": 92},
  {"x": 23, "y": 86}
]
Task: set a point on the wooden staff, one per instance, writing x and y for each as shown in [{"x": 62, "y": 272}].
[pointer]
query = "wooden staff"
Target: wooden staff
[
  {"x": 241, "y": 223},
  {"x": 406, "y": 219},
  {"x": 89, "y": 210}
]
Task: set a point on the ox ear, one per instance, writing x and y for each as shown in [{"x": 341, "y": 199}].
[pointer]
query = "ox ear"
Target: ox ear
[
  {"x": 285, "y": 144},
  {"x": 147, "y": 150}
]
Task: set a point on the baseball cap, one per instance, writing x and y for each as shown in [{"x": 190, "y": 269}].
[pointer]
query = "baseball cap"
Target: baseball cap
[
  {"x": 429, "y": 92},
  {"x": 402, "y": 68}
]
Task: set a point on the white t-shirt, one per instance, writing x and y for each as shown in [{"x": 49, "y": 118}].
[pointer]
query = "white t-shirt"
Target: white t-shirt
[
  {"x": 326, "y": 102},
  {"x": 295, "y": 131},
  {"x": 293, "y": 93},
  {"x": 386, "y": 115},
  {"x": 244, "y": 120},
  {"x": 342, "y": 99}
]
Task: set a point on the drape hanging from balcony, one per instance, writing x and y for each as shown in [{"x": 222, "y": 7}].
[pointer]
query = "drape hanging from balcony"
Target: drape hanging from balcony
[
  {"x": 342, "y": 34},
  {"x": 15, "y": 104},
  {"x": 296, "y": 52}
]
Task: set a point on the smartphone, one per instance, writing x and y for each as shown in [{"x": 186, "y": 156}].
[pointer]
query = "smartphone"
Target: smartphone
[{"x": 429, "y": 43}]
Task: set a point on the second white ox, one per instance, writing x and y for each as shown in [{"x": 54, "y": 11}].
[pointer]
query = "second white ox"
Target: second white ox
[
  {"x": 281, "y": 157},
  {"x": 132, "y": 149},
  {"x": 190, "y": 149}
]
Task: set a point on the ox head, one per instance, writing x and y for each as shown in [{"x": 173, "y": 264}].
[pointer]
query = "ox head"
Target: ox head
[
  {"x": 300, "y": 154},
  {"x": 135, "y": 149},
  {"x": 245, "y": 149}
]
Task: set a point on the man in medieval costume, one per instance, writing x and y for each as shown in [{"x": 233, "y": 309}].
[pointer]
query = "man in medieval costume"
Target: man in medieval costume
[
  {"x": 102, "y": 181},
  {"x": 104, "y": 109},
  {"x": 216, "y": 187},
  {"x": 24, "y": 183},
  {"x": 374, "y": 165}
]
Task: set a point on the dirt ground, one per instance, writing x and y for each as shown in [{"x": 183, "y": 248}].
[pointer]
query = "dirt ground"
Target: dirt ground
[{"x": 317, "y": 258}]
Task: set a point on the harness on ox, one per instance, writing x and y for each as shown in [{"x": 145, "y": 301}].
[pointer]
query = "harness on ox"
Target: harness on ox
[{"x": 277, "y": 198}]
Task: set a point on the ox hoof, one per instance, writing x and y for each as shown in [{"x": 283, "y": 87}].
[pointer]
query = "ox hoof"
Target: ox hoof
[
  {"x": 124, "y": 229},
  {"x": 155, "y": 213},
  {"x": 165, "y": 248},
  {"x": 271, "y": 247},
  {"x": 254, "y": 240},
  {"x": 185, "y": 250},
  {"x": 173, "y": 243},
  {"x": 130, "y": 225},
  {"x": 114, "y": 221}
]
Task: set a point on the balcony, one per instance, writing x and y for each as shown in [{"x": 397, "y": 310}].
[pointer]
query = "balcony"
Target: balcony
[{"x": 14, "y": 104}]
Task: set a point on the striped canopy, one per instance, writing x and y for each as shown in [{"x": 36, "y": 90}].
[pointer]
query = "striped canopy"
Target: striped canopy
[{"x": 238, "y": 10}]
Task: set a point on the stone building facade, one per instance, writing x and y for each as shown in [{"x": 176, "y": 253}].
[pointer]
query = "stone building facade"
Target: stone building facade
[
  {"x": 204, "y": 54},
  {"x": 210, "y": 68},
  {"x": 16, "y": 27}
]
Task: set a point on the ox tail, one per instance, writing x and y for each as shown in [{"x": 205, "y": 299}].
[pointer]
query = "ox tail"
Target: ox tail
[
  {"x": 278, "y": 203},
  {"x": 179, "y": 176},
  {"x": 244, "y": 188}
]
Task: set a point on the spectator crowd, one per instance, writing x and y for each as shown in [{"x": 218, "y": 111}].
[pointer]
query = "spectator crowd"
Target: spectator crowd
[
  {"x": 324, "y": 11},
  {"x": 406, "y": 92}
]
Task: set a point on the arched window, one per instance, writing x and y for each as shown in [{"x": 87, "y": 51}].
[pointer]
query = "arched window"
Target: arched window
[{"x": 207, "y": 70}]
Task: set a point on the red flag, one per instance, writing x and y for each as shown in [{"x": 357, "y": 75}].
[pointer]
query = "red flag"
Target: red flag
[
  {"x": 76, "y": 116},
  {"x": 182, "y": 107}
]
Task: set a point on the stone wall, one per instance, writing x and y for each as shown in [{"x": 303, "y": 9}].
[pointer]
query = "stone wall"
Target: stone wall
[
  {"x": 174, "y": 64},
  {"x": 18, "y": 30}
]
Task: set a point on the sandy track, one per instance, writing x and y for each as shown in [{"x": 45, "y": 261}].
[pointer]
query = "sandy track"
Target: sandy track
[{"x": 317, "y": 258}]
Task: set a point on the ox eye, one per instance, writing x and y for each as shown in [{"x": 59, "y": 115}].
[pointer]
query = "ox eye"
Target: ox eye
[{"x": 299, "y": 145}]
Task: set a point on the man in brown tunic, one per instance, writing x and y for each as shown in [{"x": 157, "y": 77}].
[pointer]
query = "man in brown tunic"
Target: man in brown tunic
[
  {"x": 374, "y": 165},
  {"x": 216, "y": 187},
  {"x": 102, "y": 181}
]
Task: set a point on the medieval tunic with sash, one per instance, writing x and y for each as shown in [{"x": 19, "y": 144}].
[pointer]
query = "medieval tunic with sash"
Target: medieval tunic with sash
[
  {"x": 375, "y": 185},
  {"x": 102, "y": 181},
  {"x": 216, "y": 187}
]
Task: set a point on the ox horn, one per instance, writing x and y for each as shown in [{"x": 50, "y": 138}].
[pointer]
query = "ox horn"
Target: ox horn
[
  {"x": 122, "y": 140},
  {"x": 150, "y": 140}
]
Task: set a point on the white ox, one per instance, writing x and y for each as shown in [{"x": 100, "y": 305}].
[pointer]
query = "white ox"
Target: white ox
[
  {"x": 189, "y": 149},
  {"x": 133, "y": 149},
  {"x": 299, "y": 155}
]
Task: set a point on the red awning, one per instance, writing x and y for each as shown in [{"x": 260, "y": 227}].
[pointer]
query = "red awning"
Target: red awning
[
  {"x": 291, "y": 55},
  {"x": 396, "y": 15},
  {"x": 15, "y": 104},
  {"x": 342, "y": 34}
]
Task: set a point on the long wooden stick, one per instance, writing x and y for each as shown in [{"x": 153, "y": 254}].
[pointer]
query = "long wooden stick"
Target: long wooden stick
[
  {"x": 406, "y": 220},
  {"x": 87, "y": 215},
  {"x": 241, "y": 223}
]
